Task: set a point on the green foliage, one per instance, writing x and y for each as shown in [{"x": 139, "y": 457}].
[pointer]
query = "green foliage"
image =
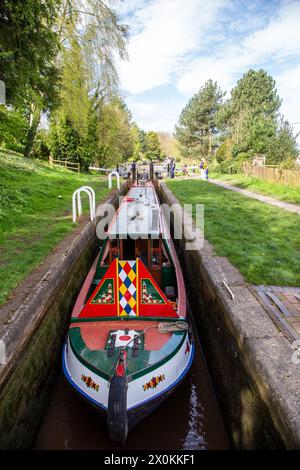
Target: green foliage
[
  {"x": 41, "y": 148},
  {"x": 249, "y": 122},
  {"x": 13, "y": 128},
  {"x": 114, "y": 133},
  {"x": 231, "y": 166},
  {"x": 283, "y": 148},
  {"x": 154, "y": 151},
  {"x": 197, "y": 122},
  {"x": 74, "y": 93},
  {"x": 146, "y": 145},
  {"x": 224, "y": 151},
  {"x": 256, "y": 93},
  {"x": 168, "y": 144},
  {"x": 102, "y": 38},
  {"x": 28, "y": 47},
  {"x": 86, "y": 127},
  {"x": 66, "y": 143},
  {"x": 262, "y": 131},
  {"x": 55, "y": 62}
]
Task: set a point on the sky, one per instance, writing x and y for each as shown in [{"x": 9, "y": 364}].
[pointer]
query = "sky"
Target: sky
[{"x": 175, "y": 46}]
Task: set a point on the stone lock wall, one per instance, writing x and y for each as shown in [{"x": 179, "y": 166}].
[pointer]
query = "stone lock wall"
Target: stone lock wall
[
  {"x": 249, "y": 359},
  {"x": 34, "y": 330}
]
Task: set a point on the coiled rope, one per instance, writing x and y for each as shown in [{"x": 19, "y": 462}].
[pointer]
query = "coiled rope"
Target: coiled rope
[
  {"x": 163, "y": 327},
  {"x": 169, "y": 327}
]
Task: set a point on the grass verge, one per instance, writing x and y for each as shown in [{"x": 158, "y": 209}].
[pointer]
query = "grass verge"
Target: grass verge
[
  {"x": 261, "y": 241},
  {"x": 280, "y": 191},
  {"x": 35, "y": 214}
]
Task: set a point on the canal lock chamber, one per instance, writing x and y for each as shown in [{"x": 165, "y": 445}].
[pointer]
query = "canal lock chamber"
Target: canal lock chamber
[{"x": 27, "y": 391}]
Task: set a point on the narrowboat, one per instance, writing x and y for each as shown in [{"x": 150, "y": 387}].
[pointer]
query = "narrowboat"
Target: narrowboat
[{"x": 130, "y": 341}]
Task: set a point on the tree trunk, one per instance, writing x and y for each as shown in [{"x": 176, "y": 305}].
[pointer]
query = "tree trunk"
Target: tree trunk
[{"x": 33, "y": 125}]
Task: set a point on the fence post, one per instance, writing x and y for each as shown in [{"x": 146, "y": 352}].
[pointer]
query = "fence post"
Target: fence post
[{"x": 50, "y": 160}]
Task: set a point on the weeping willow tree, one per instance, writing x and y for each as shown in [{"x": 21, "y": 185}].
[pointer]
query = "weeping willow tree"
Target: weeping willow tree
[
  {"x": 34, "y": 38},
  {"x": 91, "y": 123}
]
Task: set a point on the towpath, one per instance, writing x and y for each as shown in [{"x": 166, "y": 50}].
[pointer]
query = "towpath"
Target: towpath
[{"x": 259, "y": 197}]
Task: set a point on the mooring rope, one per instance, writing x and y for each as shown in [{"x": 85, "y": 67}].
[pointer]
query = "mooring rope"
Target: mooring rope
[
  {"x": 168, "y": 327},
  {"x": 163, "y": 327}
]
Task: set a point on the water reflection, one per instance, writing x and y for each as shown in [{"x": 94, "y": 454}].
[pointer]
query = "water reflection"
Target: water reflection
[{"x": 195, "y": 436}]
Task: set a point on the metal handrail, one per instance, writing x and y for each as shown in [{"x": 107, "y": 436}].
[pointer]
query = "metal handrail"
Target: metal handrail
[
  {"x": 113, "y": 173},
  {"x": 77, "y": 197}
]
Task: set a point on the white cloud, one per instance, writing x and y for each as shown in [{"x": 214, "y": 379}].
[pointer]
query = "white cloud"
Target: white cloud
[
  {"x": 288, "y": 87},
  {"x": 169, "y": 32},
  {"x": 183, "y": 44},
  {"x": 155, "y": 115},
  {"x": 279, "y": 40}
]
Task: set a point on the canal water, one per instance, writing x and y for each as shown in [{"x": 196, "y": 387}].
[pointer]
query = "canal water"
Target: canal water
[{"x": 189, "y": 419}]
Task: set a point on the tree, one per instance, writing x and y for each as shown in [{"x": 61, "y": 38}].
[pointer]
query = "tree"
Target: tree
[
  {"x": 98, "y": 122},
  {"x": 28, "y": 45},
  {"x": 283, "y": 147},
  {"x": 154, "y": 151},
  {"x": 115, "y": 141},
  {"x": 168, "y": 144},
  {"x": 102, "y": 36},
  {"x": 66, "y": 142},
  {"x": 74, "y": 94},
  {"x": 197, "y": 122},
  {"x": 36, "y": 36},
  {"x": 69, "y": 121},
  {"x": 251, "y": 112},
  {"x": 140, "y": 146},
  {"x": 255, "y": 92},
  {"x": 13, "y": 128},
  {"x": 249, "y": 119}
]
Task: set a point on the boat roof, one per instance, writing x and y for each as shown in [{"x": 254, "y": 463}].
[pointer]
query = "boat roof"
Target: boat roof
[{"x": 138, "y": 215}]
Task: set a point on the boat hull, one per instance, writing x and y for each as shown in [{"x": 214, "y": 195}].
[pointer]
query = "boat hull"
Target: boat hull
[{"x": 144, "y": 394}]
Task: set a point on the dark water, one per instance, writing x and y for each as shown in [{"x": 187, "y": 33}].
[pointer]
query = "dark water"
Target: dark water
[{"x": 189, "y": 419}]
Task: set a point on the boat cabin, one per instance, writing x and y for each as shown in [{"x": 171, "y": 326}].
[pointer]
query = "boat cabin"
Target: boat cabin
[{"x": 136, "y": 257}]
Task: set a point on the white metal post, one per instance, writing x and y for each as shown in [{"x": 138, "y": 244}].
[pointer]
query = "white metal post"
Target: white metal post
[
  {"x": 77, "y": 198},
  {"x": 113, "y": 173}
]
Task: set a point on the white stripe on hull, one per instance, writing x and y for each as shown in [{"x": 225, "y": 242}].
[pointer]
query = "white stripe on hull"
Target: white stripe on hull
[{"x": 172, "y": 371}]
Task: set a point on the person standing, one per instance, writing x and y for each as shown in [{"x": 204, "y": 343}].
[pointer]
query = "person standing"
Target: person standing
[
  {"x": 205, "y": 171},
  {"x": 202, "y": 169},
  {"x": 172, "y": 168},
  {"x": 185, "y": 170}
]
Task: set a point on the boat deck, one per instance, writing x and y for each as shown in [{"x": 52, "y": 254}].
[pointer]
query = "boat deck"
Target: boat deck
[{"x": 95, "y": 334}]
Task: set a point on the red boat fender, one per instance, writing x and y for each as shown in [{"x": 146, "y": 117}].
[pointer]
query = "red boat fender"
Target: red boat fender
[{"x": 121, "y": 366}]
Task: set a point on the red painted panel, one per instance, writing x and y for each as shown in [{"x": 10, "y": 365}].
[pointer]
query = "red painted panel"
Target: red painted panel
[
  {"x": 165, "y": 309},
  {"x": 104, "y": 310},
  {"x": 95, "y": 334}
]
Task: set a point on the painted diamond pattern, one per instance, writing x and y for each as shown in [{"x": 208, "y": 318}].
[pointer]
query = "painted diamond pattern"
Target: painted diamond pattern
[
  {"x": 127, "y": 288},
  {"x": 131, "y": 289}
]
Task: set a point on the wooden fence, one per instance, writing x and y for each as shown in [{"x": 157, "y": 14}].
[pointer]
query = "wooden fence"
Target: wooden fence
[
  {"x": 68, "y": 165},
  {"x": 273, "y": 174}
]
